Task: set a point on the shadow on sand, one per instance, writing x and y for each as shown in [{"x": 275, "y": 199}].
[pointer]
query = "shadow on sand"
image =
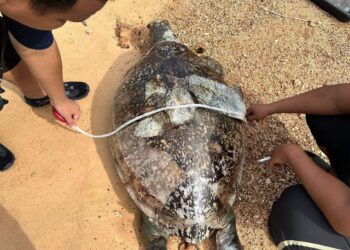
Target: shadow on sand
[
  {"x": 101, "y": 119},
  {"x": 12, "y": 236}
]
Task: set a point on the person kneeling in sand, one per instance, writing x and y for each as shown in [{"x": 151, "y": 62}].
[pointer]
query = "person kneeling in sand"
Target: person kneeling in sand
[
  {"x": 30, "y": 58},
  {"x": 315, "y": 214}
]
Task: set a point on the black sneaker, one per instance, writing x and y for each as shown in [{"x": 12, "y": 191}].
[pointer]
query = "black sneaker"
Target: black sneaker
[{"x": 6, "y": 158}]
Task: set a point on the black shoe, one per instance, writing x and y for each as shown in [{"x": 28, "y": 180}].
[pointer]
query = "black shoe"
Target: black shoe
[
  {"x": 37, "y": 102},
  {"x": 319, "y": 161},
  {"x": 74, "y": 91},
  {"x": 6, "y": 158}
]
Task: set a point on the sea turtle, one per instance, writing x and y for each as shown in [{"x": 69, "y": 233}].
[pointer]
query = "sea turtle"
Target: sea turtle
[{"x": 181, "y": 167}]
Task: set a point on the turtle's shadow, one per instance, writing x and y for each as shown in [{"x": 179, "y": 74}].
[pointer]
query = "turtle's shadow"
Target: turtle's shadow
[
  {"x": 12, "y": 236},
  {"x": 101, "y": 123}
]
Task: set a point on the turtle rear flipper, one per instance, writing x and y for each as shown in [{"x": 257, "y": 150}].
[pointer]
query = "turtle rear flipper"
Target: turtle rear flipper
[
  {"x": 155, "y": 237},
  {"x": 227, "y": 238}
]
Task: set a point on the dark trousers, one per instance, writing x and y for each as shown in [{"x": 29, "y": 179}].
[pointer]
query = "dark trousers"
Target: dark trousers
[
  {"x": 295, "y": 222},
  {"x": 10, "y": 57}
]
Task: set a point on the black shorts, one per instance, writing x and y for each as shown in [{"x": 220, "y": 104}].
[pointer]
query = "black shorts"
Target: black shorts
[
  {"x": 29, "y": 37},
  {"x": 295, "y": 222}
]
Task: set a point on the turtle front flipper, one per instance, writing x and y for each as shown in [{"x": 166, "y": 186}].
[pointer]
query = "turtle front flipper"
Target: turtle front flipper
[
  {"x": 214, "y": 64},
  {"x": 227, "y": 238},
  {"x": 155, "y": 237}
]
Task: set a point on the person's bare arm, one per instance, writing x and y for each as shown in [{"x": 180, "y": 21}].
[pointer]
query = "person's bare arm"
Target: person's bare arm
[
  {"x": 330, "y": 194},
  {"x": 46, "y": 67},
  {"x": 328, "y": 100}
]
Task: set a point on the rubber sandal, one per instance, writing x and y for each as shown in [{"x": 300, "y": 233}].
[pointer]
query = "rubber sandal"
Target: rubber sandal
[
  {"x": 74, "y": 91},
  {"x": 319, "y": 161},
  {"x": 6, "y": 158}
]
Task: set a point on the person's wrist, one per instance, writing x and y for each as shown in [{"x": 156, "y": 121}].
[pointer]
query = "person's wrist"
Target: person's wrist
[
  {"x": 271, "y": 108},
  {"x": 59, "y": 101},
  {"x": 292, "y": 151}
]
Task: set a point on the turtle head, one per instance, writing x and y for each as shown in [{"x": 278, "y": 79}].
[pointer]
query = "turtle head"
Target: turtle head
[{"x": 160, "y": 31}]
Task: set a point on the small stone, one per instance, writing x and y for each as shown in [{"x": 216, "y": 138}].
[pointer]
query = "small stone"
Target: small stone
[
  {"x": 117, "y": 214},
  {"x": 268, "y": 181},
  {"x": 88, "y": 32},
  {"x": 311, "y": 24},
  {"x": 296, "y": 82}
]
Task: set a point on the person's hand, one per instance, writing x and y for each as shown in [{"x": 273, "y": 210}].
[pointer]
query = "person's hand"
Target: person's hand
[
  {"x": 69, "y": 110},
  {"x": 258, "y": 112},
  {"x": 280, "y": 155}
]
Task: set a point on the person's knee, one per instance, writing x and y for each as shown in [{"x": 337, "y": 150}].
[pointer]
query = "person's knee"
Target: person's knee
[
  {"x": 296, "y": 221},
  {"x": 283, "y": 218}
]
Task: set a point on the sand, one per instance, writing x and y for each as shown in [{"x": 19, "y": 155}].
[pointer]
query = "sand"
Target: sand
[{"x": 64, "y": 193}]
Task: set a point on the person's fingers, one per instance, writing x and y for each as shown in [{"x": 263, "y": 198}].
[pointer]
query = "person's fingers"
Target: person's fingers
[
  {"x": 251, "y": 118},
  {"x": 249, "y": 111},
  {"x": 76, "y": 115},
  {"x": 70, "y": 121},
  {"x": 275, "y": 162},
  {"x": 250, "y": 115}
]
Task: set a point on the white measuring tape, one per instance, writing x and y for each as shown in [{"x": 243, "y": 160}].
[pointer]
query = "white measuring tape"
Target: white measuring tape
[{"x": 237, "y": 115}]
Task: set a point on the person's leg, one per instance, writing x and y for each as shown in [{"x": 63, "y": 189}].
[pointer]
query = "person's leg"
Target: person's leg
[
  {"x": 18, "y": 73},
  {"x": 23, "y": 79},
  {"x": 295, "y": 222},
  {"x": 332, "y": 134},
  {"x": 33, "y": 94},
  {"x": 8, "y": 60}
]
